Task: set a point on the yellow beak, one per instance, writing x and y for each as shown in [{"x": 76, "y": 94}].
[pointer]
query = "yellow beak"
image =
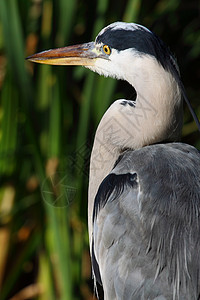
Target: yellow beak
[{"x": 83, "y": 55}]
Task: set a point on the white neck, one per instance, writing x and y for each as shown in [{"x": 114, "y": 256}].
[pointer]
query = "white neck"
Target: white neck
[{"x": 156, "y": 117}]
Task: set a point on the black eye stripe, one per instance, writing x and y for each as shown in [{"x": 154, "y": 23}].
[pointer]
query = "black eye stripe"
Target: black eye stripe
[{"x": 141, "y": 40}]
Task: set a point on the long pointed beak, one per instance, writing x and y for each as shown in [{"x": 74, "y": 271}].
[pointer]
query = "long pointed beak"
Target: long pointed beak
[{"x": 83, "y": 55}]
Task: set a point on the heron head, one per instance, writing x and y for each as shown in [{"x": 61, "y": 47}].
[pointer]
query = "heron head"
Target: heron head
[{"x": 114, "y": 51}]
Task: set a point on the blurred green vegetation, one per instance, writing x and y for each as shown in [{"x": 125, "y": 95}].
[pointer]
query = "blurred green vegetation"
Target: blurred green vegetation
[{"x": 48, "y": 117}]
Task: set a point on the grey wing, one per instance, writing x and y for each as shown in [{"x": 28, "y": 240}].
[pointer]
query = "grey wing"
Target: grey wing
[{"x": 146, "y": 225}]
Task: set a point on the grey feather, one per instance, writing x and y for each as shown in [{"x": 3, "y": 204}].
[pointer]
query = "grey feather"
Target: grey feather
[{"x": 147, "y": 236}]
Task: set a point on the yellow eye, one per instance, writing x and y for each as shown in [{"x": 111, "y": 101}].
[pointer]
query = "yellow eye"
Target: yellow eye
[{"x": 106, "y": 49}]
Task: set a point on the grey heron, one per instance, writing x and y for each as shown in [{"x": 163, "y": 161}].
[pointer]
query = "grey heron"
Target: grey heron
[{"x": 144, "y": 185}]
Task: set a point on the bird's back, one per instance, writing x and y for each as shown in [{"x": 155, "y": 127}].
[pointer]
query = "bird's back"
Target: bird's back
[{"x": 146, "y": 225}]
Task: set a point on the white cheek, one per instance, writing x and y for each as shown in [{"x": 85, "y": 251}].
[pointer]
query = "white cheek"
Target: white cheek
[
  {"x": 118, "y": 65},
  {"x": 124, "y": 61},
  {"x": 102, "y": 67},
  {"x": 108, "y": 68}
]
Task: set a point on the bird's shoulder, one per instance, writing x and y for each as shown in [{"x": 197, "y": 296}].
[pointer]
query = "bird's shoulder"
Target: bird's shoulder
[{"x": 153, "y": 171}]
